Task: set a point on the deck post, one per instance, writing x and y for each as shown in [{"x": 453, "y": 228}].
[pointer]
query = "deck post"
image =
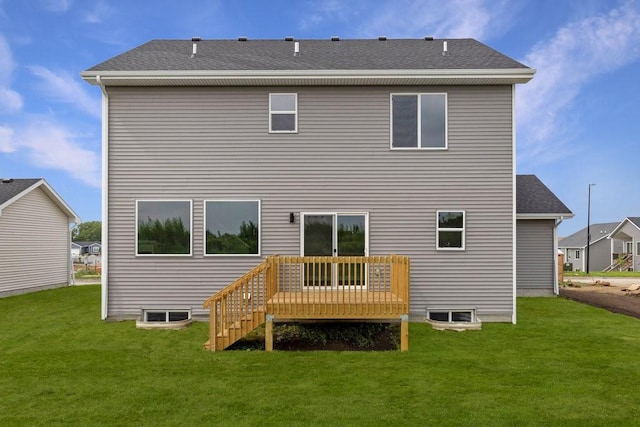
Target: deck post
[
  {"x": 404, "y": 332},
  {"x": 268, "y": 333}
]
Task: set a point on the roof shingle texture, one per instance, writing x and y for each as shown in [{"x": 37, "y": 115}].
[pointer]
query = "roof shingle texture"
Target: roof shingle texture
[
  {"x": 271, "y": 55},
  {"x": 533, "y": 197},
  {"x": 579, "y": 238},
  {"x": 11, "y": 188}
]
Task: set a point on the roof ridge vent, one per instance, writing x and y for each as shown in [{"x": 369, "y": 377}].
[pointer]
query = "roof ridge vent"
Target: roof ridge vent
[
  {"x": 288, "y": 38},
  {"x": 242, "y": 39},
  {"x": 382, "y": 38},
  {"x": 428, "y": 38},
  {"x": 335, "y": 38},
  {"x": 7, "y": 180},
  {"x": 195, "y": 41}
]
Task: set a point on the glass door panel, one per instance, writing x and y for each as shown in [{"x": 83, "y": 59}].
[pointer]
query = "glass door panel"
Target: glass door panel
[
  {"x": 318, "y": 241},
  {"x": 351, "y": 239}
]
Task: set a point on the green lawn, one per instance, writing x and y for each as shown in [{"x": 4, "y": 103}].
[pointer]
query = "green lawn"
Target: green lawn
[
  {"x": 563, "y": 364},
  {"x": 602, "y": 274}
]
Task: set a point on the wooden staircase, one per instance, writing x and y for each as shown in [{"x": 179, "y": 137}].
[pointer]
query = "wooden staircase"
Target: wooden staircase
[
  {"x": 621, "y": 264},
  {"x": 238, "y": 309}
]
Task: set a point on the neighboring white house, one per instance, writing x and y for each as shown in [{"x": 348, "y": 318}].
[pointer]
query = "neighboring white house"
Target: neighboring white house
[
  {"x": 603, "y": 250},
  {"x": 628, "y": 231},
  {"x": 35, "y": 235}
]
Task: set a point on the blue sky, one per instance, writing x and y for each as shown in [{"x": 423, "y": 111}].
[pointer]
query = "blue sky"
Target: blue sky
[{"x": 578, "y": 120}]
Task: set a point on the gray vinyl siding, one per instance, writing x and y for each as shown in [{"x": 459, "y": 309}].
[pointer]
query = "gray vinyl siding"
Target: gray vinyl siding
[
  {"x": 600, "y": 255},
  {"x": 34, "y": 245},
  {"x": 535, "y": 256},
  {"x": 213, "y": 143}
]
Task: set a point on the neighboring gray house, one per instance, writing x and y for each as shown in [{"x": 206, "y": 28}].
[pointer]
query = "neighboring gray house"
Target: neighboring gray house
[
  {"x": 34, "y": 237},
  {"x": 628, "y": 231},
  {"x": 239, "y": 149},
  {"x": 602, "y": 251},
  {"x": 538, "y": 214}
]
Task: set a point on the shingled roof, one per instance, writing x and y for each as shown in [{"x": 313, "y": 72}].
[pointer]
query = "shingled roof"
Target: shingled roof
[
  {"x": 535, "y": 198},
  {"x": 12, "y": 190},
  {"x": 579, "y": 239},
  {"x": 257, "y": 58}
]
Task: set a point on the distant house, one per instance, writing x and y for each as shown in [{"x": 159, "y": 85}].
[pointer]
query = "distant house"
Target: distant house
[
  {"x": 88, "y": 248},
  {"x": 602, "y": 250},
  {"x": 538, "y": 214},
  {"x": 35, "y": 236},
  {"x": 76, "y": 250},
  {"x": 628, "y": 233}
]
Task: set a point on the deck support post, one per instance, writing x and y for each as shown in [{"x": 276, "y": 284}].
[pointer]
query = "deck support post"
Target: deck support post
[
  {"x": 404, "y": 332},
  {"x": 268, "y": 333}
]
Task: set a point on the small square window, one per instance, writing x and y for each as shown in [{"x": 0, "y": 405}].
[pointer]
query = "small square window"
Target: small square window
[
  {"x": 450, "y": 230},
  {"x": 283, "y": 113}
]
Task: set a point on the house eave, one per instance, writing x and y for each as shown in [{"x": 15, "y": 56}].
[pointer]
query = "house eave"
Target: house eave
[
  {"x": 544, "y": 215},
  {"x": 309, "y": 77}
]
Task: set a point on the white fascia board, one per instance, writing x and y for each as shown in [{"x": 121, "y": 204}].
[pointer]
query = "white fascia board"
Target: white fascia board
[
  {"x": 615, "y": 230},
  {"x": 544, "y": 216},
  {"x": 255, "y": 77},
  {"x": 50, "y": 192}
]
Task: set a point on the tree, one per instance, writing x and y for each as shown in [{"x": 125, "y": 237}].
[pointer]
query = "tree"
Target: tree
[{"x": 90, "y": 231}]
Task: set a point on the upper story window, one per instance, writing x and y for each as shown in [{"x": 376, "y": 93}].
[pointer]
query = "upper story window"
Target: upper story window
[
  {"x": 450, "y": 232},
  {"x": 283, "y": 112},
  {"x": 419, "y": 121},
  {"x": 232, "y": 227},
  {"x": 163, "y": 227}
]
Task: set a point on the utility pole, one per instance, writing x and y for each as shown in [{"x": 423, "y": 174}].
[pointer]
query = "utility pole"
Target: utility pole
[{"x": 588, "y": 226}]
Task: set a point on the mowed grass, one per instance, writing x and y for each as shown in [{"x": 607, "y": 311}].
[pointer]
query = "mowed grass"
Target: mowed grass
[{"x": 563, "y": 364}]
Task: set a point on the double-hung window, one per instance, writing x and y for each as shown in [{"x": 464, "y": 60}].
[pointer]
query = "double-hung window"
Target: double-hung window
[
  {"x": 283, "y": 112},
  {"x": 450, "y": 233},
  {"x": 419, "y": 121}
]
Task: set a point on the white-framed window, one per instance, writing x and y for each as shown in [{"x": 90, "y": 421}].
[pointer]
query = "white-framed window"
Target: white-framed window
[
  {"x": 628, "y": 247},
  {"x": 283, "y": 112},
  {"x": 577, "y": 254},
  {"x": 232, "y": 227},
  {"x": 450, "y": 230},
  {"x": 419, "y": 121},
  {"x": 163, "y": 227},
  {"x": 165, "y": 316},
  {"x": 451, "y": 316}
]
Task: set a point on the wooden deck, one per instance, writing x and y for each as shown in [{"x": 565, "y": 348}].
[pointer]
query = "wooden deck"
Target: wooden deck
[{"x": 303, "y": 288}]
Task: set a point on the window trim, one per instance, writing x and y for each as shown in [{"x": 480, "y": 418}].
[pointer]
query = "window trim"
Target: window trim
[
  {"x": 204, "y": 231},
  {"x": 294, "y": 112},
  {"x": 450, "y": 312},
  {"x": 167, "y": 312},
  {"x": 137, "y": 201},
  {"x": 419, "y": 122},
  {"x": 577, "y": 254},
  {"x": 638, "y": 248},
  {"x": 463, "y": 230}
]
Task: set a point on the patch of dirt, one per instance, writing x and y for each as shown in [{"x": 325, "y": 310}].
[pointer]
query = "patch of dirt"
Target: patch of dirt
[{"x": 612, "y": 298}]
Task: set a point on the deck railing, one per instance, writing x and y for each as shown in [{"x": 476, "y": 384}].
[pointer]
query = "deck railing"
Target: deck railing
[
  {"x": 338, "y": 287},
  {"x": 296, "y": 287},
  {"x": 237, "y": 309}
]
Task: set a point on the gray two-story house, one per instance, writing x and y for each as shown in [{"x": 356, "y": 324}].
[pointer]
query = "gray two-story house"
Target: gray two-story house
[{"x": 219, "y": 153}]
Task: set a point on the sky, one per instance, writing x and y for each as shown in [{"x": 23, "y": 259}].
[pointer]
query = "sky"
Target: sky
[{"x": 577, "y": 121}]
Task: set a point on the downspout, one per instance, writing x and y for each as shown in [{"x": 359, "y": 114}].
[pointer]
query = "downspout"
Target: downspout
[
  {"x": 555, "y": 251},
  {"x": 105, "y": 199},
  {"x": 71, "y": 274}
]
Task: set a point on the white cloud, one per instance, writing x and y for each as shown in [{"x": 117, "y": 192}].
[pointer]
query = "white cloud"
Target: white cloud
[
  {"x": 6, "y": 137},
  {"x": 57, "y": 6},
  {"x": 10, "y": 100},
  {"x": 480, "y": 19},
  {"x": 64, "y": 87},
  {"x": 100, "y": 12},
  {"x": 574, "y": 57},
  {"x": 50, "y": 145}
]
